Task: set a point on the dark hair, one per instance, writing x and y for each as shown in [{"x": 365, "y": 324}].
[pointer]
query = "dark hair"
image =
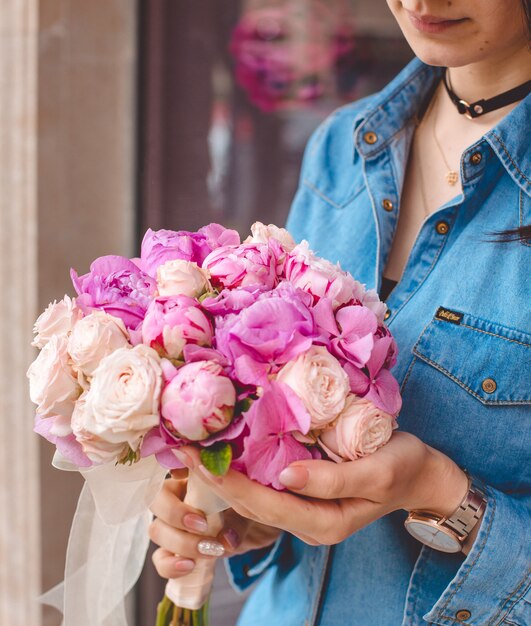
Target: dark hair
[{"x": 523, "y": 233}]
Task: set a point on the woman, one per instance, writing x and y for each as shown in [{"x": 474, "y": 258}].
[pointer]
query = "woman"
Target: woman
[{"x": 460, "y": 176}]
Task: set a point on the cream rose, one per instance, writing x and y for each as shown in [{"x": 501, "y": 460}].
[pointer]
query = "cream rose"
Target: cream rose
[
  {"x": 122, "y": 403},
  {"x": 53, "y": 384},
  {"x": 260, "y": 233},
  {"x": 360, "y": 430},
  {"x": 179, "y": 277},
  {"x": 58, "y": 319},
  {"x": 93, "y": 338},
  {"x": 97, "y": 449},
  {"x": 320, "y": 382}
]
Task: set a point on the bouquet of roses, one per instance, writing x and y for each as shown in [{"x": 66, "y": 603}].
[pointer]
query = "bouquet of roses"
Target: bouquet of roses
[{"x": 260, "y": 352}]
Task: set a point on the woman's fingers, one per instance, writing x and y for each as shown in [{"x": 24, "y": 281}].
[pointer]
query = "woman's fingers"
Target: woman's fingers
[
  {"x": 168, "y": 507},
  {"x": 184, "y": 543},
  {"x": 170, "y": 566}
]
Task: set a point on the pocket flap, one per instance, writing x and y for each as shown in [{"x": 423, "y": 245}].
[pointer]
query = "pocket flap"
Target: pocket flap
[{"x": 490, "y": 361}]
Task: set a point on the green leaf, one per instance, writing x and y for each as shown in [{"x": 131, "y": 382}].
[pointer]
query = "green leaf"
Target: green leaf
[{"x": 217, "y": 458}]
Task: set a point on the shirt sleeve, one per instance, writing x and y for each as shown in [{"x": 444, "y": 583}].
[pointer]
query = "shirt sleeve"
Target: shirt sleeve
[
  {"x": 245, "y": 569},
  {"x": 496, "y": 574}
]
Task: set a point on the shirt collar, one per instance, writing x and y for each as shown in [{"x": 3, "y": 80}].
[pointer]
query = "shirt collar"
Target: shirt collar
[{"x": 392, "y": 109}]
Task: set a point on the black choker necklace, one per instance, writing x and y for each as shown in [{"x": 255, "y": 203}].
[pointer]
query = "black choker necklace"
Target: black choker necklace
[{"x": 476, "y": 109}]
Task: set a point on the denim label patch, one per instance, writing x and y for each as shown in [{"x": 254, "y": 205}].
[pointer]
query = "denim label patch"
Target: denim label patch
[{"x": 448, "y": 316}]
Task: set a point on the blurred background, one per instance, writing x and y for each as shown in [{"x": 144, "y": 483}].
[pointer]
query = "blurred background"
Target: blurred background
[{"x": 119, "y": 115}]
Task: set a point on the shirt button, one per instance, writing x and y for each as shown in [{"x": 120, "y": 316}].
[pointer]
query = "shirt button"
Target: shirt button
[
  {"x": 388, "y": 314},
  {"x": 489, "y": 385},
  {"x": 476, "y": 158},
  {"x": 442, "y": 227},
  {"x": 387, "y": 204},
  {"x": 463, "y": 615},
  {"x": 370, "y": 137},
  {"x": 246, "y": 569}
]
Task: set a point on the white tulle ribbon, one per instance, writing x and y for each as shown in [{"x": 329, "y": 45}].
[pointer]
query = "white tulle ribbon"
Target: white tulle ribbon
[{"x": 108, "y": 542}]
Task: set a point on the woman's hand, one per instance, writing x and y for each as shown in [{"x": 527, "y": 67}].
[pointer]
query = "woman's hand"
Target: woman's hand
[
  {"x": 180, "y": 529},
  {"x": 340, "y": 499}
]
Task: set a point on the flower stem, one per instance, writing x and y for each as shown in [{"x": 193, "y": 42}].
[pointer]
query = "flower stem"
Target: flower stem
[
  {"x": 162, "y": 611},
  {"x": 168, "y": 614}
]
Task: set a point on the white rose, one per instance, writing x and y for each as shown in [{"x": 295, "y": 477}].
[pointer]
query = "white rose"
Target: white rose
[
  {"x": 93, "y": 338},
  {"x": 97, "y": 449},
  {"x": 122, "y": 403},
  {"x": 58, "y": 319},
  {"x": 262, "y": 234},
  {"x": 320, "y": 382},
  {"x": 185, "y": 278},
  {"x": 53, "y": 384},
  {"x": 360, "y": 430}
]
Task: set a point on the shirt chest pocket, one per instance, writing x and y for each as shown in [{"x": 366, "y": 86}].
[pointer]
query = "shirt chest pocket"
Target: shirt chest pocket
[{"x": 469, "y": 395}]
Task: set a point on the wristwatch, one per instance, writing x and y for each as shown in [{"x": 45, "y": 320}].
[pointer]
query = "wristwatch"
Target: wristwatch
[{"x": 448, "y": 534}]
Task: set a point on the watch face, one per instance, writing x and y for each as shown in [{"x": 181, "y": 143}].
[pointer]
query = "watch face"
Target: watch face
[{"x": 433, "y": 536}]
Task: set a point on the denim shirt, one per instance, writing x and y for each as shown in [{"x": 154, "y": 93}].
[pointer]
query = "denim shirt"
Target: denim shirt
[{"x": 464, "y": 374}]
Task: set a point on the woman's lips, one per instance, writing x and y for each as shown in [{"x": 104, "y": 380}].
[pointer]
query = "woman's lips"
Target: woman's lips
[{"x": 432, "y": 24}]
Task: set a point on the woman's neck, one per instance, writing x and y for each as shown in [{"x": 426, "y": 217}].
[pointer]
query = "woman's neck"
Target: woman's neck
[{"x": 491, "y": 77}]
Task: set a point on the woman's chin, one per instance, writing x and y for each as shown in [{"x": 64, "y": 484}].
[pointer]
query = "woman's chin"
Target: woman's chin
[{"x": 444, "y": 54}]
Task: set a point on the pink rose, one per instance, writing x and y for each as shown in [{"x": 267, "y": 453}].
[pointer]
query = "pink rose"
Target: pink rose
[
  {"x": 53, "y": 385},
  {"x": 93, "y": 338},
  {"x": 58, "y": 319},
  {"x": 260, "y": 233},
  {"x": 320, "y": 277},
  {"x": 122, "y": 404},
  {"x": 360, "y": 430},
  {"x": 198, "y": 401},
  {"x": 172, "y": 322},
  {"x": 181, "y": 277},
  {"x": 320, "y": 382},
  {"x": 246, "y": 264}
]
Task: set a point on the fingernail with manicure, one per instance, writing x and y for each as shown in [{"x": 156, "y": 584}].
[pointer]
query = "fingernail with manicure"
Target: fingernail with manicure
[
  {"x": 195, "y": 522},
  {"x": 184, "y": 458},
  {"x": 184, "y": 565},
  {"x": 232, "y": 538},
  {"x": 294, "y": 477},
  {"x": 210, "y": 548}
]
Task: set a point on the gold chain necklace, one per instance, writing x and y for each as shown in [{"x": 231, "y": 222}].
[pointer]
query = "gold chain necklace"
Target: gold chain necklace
[{"x": 451, "y": 176}]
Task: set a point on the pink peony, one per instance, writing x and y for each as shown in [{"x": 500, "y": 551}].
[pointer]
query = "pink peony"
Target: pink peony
[
  {"x": 198, "y": 401},
  {"x": 378, "y": 384},
  {"x": 56, "y": 431},
  {"x": 232, "y": 300},
  {"x": 360, "y": 430},
  {"x": 161, "y": 246},
  {"x": 268, "y": 334},
  {"x": 270, "y": 446},
  {"x": 321, "y": 278},
  {"x": 174, "y": 321},
  {"x": 350, "y": 332},
  {"x": 246, "y": 264},
  {"x": 117, "y": 286}
]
